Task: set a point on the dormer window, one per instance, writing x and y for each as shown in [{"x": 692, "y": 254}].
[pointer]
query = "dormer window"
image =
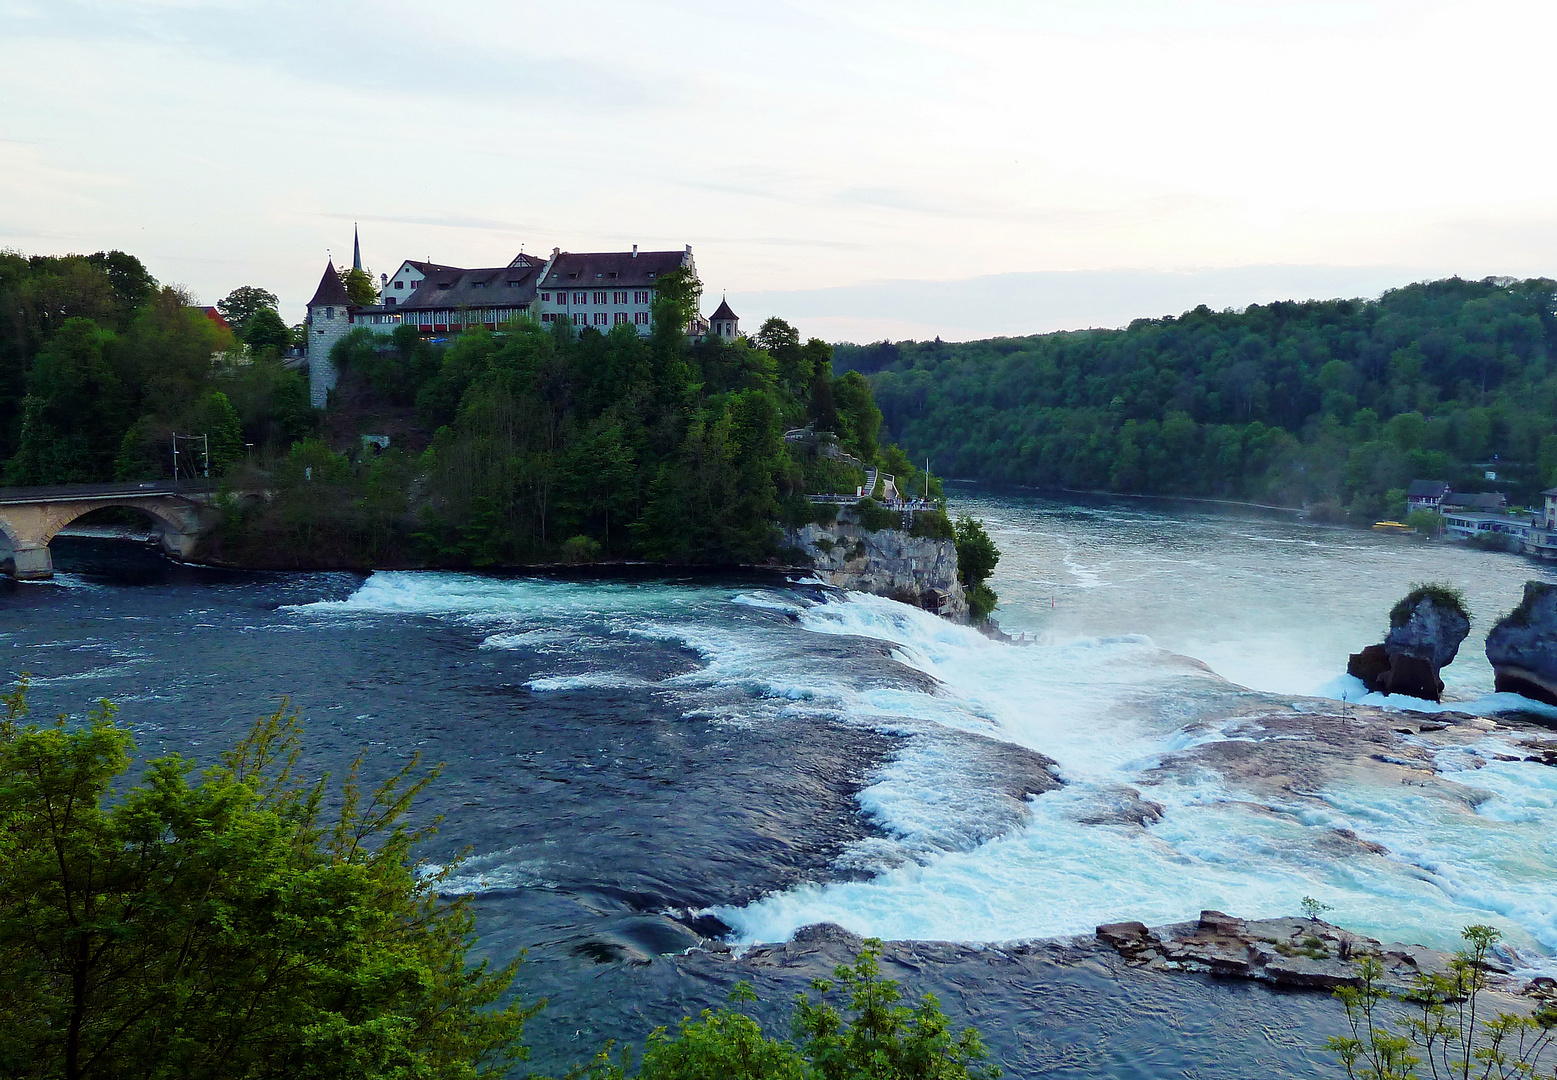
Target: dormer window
[
  {"x": 515, "y": 284},
  {"x": 445, "y": 284}
]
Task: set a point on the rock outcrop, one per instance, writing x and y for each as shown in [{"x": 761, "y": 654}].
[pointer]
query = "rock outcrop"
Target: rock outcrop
[
  {"x": 1296, "y": 952},
  {"x": 1426, "y": 629},
  {"x": 889, "y": 562},
  {"x": 1522, "y": 647}
]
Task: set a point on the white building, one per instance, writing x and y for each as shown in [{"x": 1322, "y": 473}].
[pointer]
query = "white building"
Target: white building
[{"x": 606, "y": 289}]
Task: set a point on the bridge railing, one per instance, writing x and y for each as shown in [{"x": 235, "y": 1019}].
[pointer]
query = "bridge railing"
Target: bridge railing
[{"x": 94, "y": 491}]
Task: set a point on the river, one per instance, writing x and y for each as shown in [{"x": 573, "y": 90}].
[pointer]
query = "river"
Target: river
[{"x": 632, "y": 761}]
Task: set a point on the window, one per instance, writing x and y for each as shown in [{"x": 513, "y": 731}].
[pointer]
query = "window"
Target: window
[
  {"x": 641, "y": 318},
  {"x": 478, "y": 284},
  {"x": 619, "y": 318},
  {"x": 399, "y": 284},
  {"x": 389, "y": 301},
  {"x": 546, "y": 296},
  {"x": 600, "y": 298},
  {"x": 329, "y": 313},
  {"x": 641, "y": 296},
  {"x": 445, "y": 284},
  {"x": 581, "y": 298},
  {"x": 578, "y": 320},
  {"x": 548, "y": 317},
  {"x": 600, "y": 318}
]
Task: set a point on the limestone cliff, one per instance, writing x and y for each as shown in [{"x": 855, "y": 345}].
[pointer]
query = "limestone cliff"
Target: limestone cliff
[{"x": 888, "y": 562}]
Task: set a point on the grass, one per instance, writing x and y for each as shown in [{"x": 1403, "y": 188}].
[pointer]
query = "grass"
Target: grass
[{"x": 1442, "y": 595}]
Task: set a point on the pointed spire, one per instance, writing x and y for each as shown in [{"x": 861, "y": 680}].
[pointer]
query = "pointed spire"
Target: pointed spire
[{"x": 356, "y": 248}]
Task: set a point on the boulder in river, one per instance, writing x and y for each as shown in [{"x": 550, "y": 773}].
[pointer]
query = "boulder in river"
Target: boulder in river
[
  {"x": 1425, "y": 631},
  {"x": 1522, "y": 647}
]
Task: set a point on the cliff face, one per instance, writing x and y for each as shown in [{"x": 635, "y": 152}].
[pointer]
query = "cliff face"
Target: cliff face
[{"x": 912, "y": 569}]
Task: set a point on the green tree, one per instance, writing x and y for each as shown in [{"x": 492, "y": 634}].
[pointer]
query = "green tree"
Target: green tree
[
  {"x": 360, "y": 287},
  {"x": 265, "y": 330},
  {"x": 977, "y": 556},
  {"x": 860, "y": 417},
  {"x": 75, "y": 412},
  {"x": 222, "y": 926},
  {"x": 240, "y": 307}
]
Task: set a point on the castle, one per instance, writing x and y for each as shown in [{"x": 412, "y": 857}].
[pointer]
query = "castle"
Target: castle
[{"x": 597, "y": 290}]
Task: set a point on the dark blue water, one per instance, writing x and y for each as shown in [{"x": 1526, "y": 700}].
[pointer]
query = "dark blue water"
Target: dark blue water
[{"x": 620, "y": 756}]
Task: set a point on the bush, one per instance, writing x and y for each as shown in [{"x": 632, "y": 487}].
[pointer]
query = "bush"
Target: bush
[
  {"x": 873, "y": 1038},
  {"x": 580, "y": 549},
  {"x": 1443, "y": 595},
  {"x": 1442, "y": 1024},
  {"x": 873, "y": 517},
  {"x": 1426, "y": 522},
  {"x": 981, "y": 602},
  {"x": 223, "y": 927},
  {"x": 932, "y": 525}
]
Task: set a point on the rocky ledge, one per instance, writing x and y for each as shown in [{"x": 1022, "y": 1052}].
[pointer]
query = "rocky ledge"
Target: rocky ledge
[
  {"x": 1299, "y": 952},
  {"x": 891, "y": 562}
]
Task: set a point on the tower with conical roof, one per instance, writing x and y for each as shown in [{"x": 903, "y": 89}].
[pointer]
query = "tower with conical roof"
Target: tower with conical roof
[
  {"x": 724, "y": 323},
  {"x": 356, "y": 248},
  {"x": 329, "y": 320}
]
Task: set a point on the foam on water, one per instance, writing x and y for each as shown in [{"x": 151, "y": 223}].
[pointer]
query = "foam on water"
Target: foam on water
[
  {"x": 955, "y": 861},
  {"x": 1108, "y": 711}
]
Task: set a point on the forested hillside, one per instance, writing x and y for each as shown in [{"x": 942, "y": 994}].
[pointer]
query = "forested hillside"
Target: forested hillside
[
  {"x": 1338, "y": 403},
  {"x": 522, "y": 445}
]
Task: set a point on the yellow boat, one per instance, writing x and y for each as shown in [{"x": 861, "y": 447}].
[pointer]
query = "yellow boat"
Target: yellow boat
[{"x": 1392, "y": 527}]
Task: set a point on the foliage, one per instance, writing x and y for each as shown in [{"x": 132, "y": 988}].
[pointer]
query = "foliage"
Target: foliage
[
  {"x": 933, "y": 525},
  {"x": 976, "y": 559},
  {"x": 266, "y": 331},
  {"x": 872, "y": 1038},
  {"x": 223, "y": 926},
  {"x": 1443, "y": 595},
  {"x": 1443, "y": 1024},
  {"x": 1313, "y": 908},
  {"x": 1426, "y": 522},
  {"x": 873, "y": 517},
  {"x": 240, "y": 307},
  {"x": 1340, "y": 400},
  {"x": 580, "y": 549},
  {"x": 360, "y": 287}
]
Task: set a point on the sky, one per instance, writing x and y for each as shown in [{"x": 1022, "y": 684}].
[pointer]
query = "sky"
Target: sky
[{"x": 867, "y": 169}]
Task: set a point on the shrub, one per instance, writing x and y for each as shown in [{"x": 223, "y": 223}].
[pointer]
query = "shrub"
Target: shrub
[
  {"x": 580, "y": 549},
  {"x": 1442, "y": 1024},
  {"x": 981, "y": 602},
  {"x": 872, "y": 1038},
  {"x": 224, "y": 926},
  {"x": 873, "y": 517},
  {"x": 1442, "y": 595},
  {"x": 932, "y": 525}
]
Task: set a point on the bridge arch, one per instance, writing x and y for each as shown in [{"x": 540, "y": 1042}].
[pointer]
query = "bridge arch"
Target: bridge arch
[{"x": 30, "y": 521}]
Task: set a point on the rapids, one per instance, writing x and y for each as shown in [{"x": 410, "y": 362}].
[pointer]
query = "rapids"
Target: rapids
[{"x": 633, "y": 761}]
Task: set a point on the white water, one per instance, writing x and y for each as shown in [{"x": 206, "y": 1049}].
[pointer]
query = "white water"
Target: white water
[
  {"x": 1108, "y": 711},
  {"x": 1269, "y": 606}
]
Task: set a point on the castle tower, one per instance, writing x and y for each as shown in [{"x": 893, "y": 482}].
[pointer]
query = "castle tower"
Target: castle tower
[
  {"x": 724, "y": 323},
  {"x": 329, "y": 320}
]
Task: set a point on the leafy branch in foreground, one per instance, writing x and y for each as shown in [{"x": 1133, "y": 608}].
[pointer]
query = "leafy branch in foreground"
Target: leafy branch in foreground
[
  {"x": 1442, "y": 1024},
  {"x": 223, "y": 926},
  {"x": 875, "y": 1039}
]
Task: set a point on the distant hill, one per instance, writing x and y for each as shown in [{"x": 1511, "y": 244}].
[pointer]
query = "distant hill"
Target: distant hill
[{"x": 1339, "y": 403}]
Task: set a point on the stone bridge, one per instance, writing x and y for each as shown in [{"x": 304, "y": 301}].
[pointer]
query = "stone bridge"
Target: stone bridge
[{"x": 30, "y": 517}]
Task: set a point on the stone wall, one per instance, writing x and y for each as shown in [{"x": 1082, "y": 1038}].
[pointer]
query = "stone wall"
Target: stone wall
[
  {"x": 890, "y": 562},
  {"x": 326, "y": 326}
]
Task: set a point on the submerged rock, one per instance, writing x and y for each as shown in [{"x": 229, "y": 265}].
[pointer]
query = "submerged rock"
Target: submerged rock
[
  {"x": 1522, "y": 647},
  {"x": 1426, "y": 630}
]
